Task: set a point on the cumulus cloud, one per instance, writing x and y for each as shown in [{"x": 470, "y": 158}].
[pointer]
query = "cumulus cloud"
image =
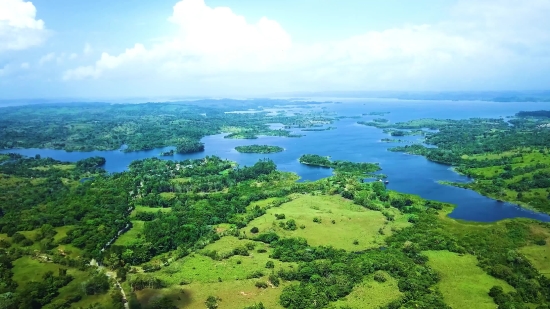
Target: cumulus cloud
[
  {"x": 19, "y": 28},
  {"x": 208, "y": 40},
  {"x": 46, "y": 58},
  {"x": 483, "y": 44}
]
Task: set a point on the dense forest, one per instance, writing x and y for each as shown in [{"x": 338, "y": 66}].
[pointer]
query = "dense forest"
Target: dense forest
[
  {"x": 102, "y": 126},
  {"x": 507, "y": 158}
]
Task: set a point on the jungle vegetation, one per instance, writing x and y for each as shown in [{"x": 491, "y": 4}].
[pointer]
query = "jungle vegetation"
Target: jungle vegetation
[{"x": 186, "y": 217}]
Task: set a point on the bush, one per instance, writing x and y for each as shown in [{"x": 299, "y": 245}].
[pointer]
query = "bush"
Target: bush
[
  {"x": 268, "y": 237},
  {"x": 356, "y": 242},
  {"x": 212, "y": 302},
  {"x": 274, "y": 280},
  {"x": 256, "y": 306},
  {"x": 540, "y": 242},
  {"x": 333, "y": 221},
  {"x": 261, "y": 285},
  {"x": 256, "y": 274},
  {"x": 269, "y": 264},
  {"x": 254, "y": 230},
  {"x": 18, "y": 237},
  {"x": 262, "y": 250},
  {"x": 317, "y": 220},
  {"x": 280, "y": 216},
  {"x": 380, "y": 277}
]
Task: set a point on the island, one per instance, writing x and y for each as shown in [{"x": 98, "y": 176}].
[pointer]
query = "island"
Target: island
[
  {"x": 342, "y": 167},
  {"x": 167, "y": 153},
  {"x": 259, "y": 149},
  {"x": 190, "y": 146}
]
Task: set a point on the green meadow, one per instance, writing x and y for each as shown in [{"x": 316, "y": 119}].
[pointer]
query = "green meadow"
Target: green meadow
[
  {"x": 339, "y": 222},
  {"x": 463, "y": 284}
]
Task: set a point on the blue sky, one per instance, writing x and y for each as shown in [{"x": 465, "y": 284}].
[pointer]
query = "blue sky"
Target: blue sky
[{"x": 123, "y": 48}]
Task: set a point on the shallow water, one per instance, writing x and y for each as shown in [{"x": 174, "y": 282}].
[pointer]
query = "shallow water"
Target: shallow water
[{"x": 353, "y": 142}]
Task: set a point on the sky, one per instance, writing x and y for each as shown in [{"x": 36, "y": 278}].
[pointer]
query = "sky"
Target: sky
[{"x": 163, "y": 48}]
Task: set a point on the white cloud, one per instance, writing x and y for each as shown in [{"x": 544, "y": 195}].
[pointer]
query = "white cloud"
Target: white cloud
[
  {"x": 19, "y": 28},
  {"x": 25, "y": 65},
  {"x": 87, "y": 49},
  {"x": 46, "y": 58},
  {"x": 483, "y": 44},
  {"x": 208, "y": 40}
]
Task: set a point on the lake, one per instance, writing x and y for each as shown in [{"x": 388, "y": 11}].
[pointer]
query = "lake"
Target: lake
[{"x": 358, "y": 143}]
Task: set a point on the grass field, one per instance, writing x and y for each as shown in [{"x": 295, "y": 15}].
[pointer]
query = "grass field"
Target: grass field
[
  {"x": 27, "y": 269},
  {"x": 351, "y": 222},
  {"x": 463, "y": 284},
  {"x": 226, "y": 279},
  {"x": 132, "y": 235},
  {"x": 63, "y": 167},
  {"x": 371, "y": 294},
  {"x": 538, "y": 255},
  {"x": 233, "y": 295}
]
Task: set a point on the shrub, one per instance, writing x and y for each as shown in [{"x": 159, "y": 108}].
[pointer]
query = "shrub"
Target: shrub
[
  {"x": 212, "y": 302},
  {"x": 380, "y": 277},
  {"x": 262, "y": 250},
  {"x": 274, "y": 280},
  {"x": 261, "y": 285},
  {"x": 317, "y": 220},
  {"x": 269, "y": 264},
  {"x": 356, "y": 242},
  {"x": 255, "y": 274},
  {"x": 254, "y": 230},
  {"x": 280, "y": 216}
]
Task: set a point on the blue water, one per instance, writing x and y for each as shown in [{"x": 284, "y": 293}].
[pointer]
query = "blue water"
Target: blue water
[{"x": 353, "y": 142}]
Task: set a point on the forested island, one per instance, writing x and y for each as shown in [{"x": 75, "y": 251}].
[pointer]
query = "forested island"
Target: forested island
[
  {"x": 259, "y": 149},
  {"x": 342, "y": 167}
]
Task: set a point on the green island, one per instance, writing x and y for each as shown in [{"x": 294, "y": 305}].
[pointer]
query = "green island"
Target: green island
[
  {"x": 167, "y": 153},
  {"x": 342, "y": 167},
  {"x": 393, "y": 140},
  {"x": 507, "y": 159},
  {"x": 259, "y": 149},
  {"x": 319, "y": 129}
]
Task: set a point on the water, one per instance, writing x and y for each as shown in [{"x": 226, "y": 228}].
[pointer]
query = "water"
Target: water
[{"x": 358, "y": 143}]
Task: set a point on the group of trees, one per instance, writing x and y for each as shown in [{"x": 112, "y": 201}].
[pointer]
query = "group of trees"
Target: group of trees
[{"x": 259, "y": 149}]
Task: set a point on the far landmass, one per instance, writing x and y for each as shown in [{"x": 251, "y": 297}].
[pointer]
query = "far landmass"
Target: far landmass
[{"x": 259, "y": 149}]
